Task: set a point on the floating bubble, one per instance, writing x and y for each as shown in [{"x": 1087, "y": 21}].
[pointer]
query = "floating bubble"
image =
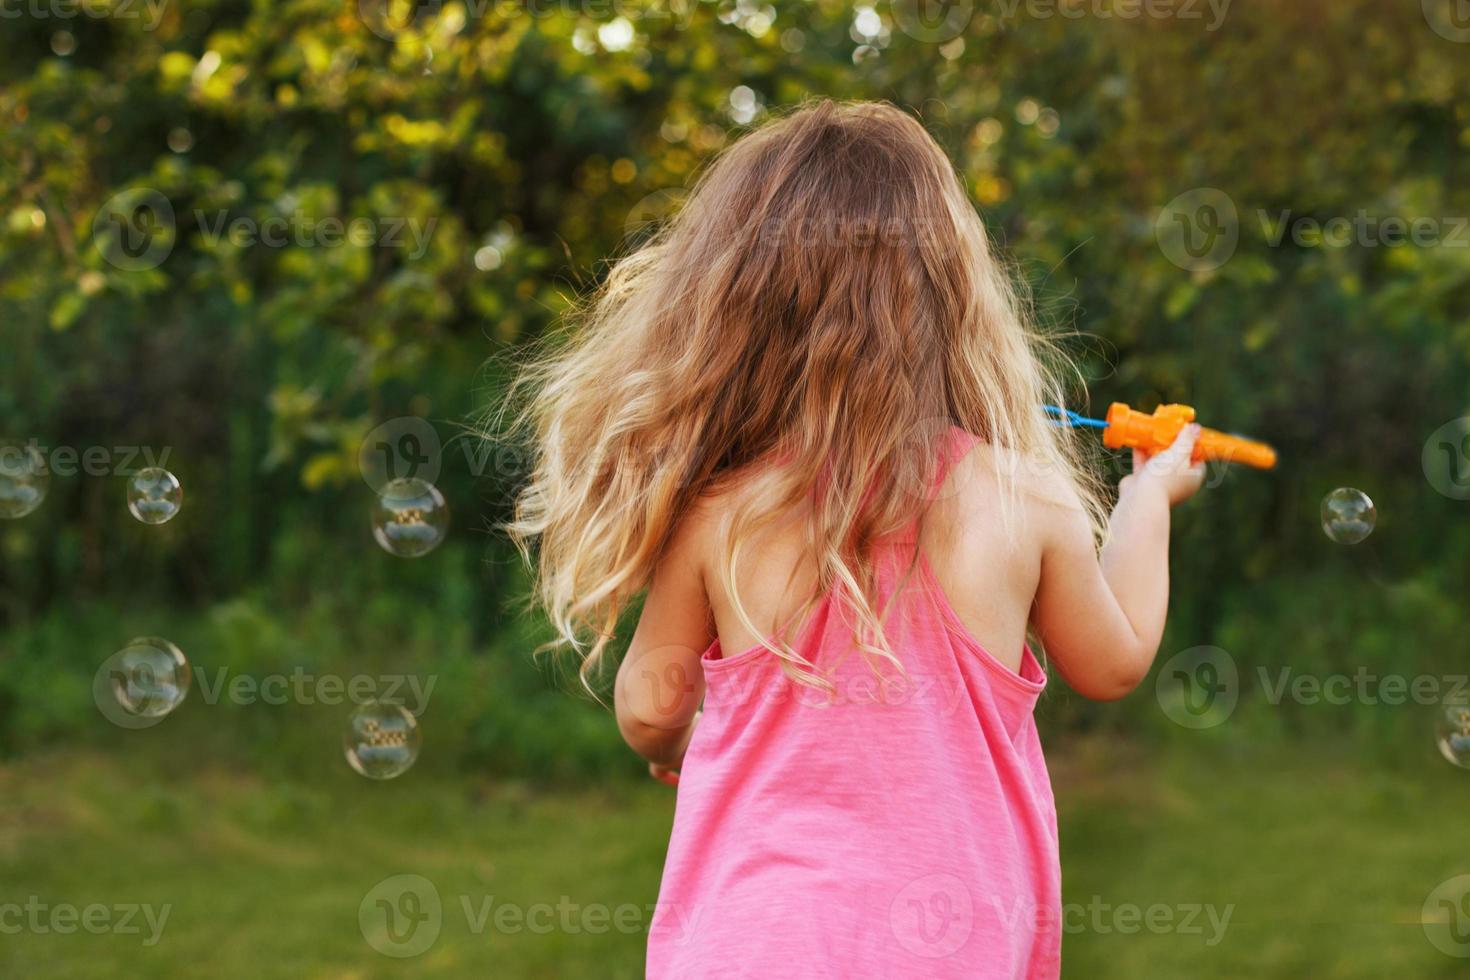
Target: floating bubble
[
  {"x": 1453, "y": 734},
  {"x": 154, "y": 495},
  {"x": 24, "y": 480},
  {"x": 410, "y": 518},
  {"x": 1348, "y": 515},
  {"x": 142, "y": 682},
  {"x": 382, "y": 740}
]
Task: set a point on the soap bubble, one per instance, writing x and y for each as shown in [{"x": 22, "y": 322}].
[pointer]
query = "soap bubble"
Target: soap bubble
[
  {"x": 154, "y": 495},
  {"x": 141, "y": 683},
  {"x": 1348, "y": 515},
  {"x": 24, "y": 480},
  {"x": 410, "y": 518},
  {"x": 1453, "y": 734},
  {"x": 382, "y": 740}
]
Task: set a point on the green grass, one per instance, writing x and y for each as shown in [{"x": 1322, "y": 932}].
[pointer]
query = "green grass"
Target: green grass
[{"x": 1325, "y": 860}]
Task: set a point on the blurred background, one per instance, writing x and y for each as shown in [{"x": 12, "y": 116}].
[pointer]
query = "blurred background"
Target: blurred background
[{"x": 287, "y": 250}]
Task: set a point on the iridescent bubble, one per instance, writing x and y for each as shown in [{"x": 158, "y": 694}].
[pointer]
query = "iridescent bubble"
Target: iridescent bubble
[
  {"x": 24, "y": 480},
  {"x": 410, "y": 518},
  {"x": 382, "y": 740},
  {"x": 1348, "y": 515},
  {"x": 1453, "y": 734},
  {"x": 154, "y": 495},
  {"x": 142, "y": 682}
]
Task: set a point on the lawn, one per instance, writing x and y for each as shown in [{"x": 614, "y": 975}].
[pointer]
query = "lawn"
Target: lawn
[{"x": 1322, "y": 862}]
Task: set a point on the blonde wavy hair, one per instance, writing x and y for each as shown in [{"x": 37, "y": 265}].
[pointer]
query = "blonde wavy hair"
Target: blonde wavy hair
[{"x": 826, "y": 302}]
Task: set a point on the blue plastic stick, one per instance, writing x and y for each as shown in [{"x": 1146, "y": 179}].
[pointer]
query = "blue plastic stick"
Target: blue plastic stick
[{"x": 1061, "y": 416}]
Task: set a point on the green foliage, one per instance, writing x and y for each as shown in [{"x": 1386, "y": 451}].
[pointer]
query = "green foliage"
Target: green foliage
[{"x": 512, "y": 152}]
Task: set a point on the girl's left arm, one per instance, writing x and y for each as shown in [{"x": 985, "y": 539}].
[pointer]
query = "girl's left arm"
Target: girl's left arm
[{"x": 660, "y": 682}]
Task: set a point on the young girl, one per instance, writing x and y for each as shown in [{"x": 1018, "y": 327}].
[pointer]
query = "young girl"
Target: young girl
[{"x": 805, "y": 420}]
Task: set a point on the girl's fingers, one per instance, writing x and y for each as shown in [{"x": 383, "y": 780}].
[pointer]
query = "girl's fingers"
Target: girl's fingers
[
  {"x": 1176, "y": 459},
  {"x": 665, "y": 775}
]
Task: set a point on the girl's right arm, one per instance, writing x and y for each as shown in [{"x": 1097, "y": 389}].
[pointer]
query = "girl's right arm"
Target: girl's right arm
[
  {"x": 1101, "y": 617},
  {"x": 660, "y": 682}
]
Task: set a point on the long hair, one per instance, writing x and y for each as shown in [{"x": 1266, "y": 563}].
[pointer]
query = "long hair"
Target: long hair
[{"x": 825, "y": 304}]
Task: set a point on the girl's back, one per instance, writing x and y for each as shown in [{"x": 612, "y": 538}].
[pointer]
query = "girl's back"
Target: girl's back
[{"x": 898, "y": 825}]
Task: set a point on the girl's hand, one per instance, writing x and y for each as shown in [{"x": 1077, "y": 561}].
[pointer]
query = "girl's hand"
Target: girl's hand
[
  {"x": 669, "y": 774},
  {"x": 1169, "y": 471}
]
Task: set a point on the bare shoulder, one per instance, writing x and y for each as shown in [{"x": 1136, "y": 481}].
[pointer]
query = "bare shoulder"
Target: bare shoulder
[
  {"x": 690, "y": 539},
  {"x": 986, "y": 468},
  {"x": 698, "y": 531},
  {"x": 1043, "y": 493}
]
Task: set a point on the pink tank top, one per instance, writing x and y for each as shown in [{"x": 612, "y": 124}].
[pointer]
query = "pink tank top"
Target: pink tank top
[{"x": 895, "y": 829}]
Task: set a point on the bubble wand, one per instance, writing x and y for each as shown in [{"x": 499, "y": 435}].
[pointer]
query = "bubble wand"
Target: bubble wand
[{"x": 1130, "y": 428}]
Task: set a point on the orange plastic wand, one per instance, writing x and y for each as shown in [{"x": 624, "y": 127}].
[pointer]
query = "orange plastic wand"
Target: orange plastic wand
[{"x": 1129, "y": 428}]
